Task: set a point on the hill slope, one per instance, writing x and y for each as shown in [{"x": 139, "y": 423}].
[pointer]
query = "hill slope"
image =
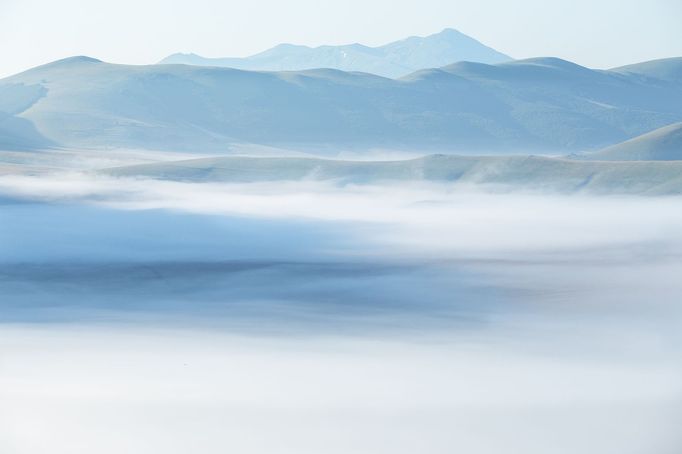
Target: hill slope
[
  {"x": 502, "y": 173},
  {"x": 663, "y": 144},
  {"x": 543, "y": 104},
  {"x": 391, "y": 60},
  {"x": 667, "y": 69}
]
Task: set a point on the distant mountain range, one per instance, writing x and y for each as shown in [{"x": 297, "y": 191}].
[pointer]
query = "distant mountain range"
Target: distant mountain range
[
  {"x": 494, "y": 172},
  {"x": 394, "y": 60},
  {"x": 536, "y": 105}
]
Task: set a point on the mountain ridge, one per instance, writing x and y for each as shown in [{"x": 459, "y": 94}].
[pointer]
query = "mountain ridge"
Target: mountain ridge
[
  {"x": 393, "y": 60},
  {"x": 535, "y": 105}
]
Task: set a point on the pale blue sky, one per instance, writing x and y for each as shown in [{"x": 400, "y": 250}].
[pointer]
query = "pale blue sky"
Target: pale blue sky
[{"x": 596, "y": 33}]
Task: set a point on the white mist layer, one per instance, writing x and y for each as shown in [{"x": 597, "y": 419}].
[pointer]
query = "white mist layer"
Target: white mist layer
[
  {"x": 578, "y": 351},
  {"x": 176, "y": 392},
  {"x": 430, "y": 219}
]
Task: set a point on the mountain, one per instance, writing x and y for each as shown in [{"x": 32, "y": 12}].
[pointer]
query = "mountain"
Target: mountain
[
  {"x": 536, "y": 105},
  {"x": 392, "y": 60},
  {"x": 496, "y": 172},
  {"x": 663, "y": 144}
]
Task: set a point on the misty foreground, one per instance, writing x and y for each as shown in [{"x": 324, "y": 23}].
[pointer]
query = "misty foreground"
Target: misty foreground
[{"x": 310, "y": 306}]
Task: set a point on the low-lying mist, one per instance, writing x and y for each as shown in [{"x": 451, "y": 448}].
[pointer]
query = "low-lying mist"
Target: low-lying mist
[{"x": 147, "y": 316}]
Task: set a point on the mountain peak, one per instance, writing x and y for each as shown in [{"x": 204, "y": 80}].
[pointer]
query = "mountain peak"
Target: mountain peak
[
  {"x": 449, "y": 32},
  {"x": 288, "y": 46},
  {"x": 551, "y": 62},
  {"x": 392, "y": 60},
  {"x": 183, "y": 58},
  {"x": 75, "y": 60}
]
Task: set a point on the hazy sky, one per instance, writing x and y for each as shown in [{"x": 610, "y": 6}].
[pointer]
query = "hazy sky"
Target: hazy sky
[{"x": 600, "y": 33}]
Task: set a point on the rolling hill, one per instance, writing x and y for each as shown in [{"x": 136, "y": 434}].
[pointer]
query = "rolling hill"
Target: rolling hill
[
  {"x": 530, "y": 173},
  {"x": 667, "y": 69},
  {"x": 663, "y": 144},
  {"x": 393, "y": 60},
  {"x": 536, "y": 105}
]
